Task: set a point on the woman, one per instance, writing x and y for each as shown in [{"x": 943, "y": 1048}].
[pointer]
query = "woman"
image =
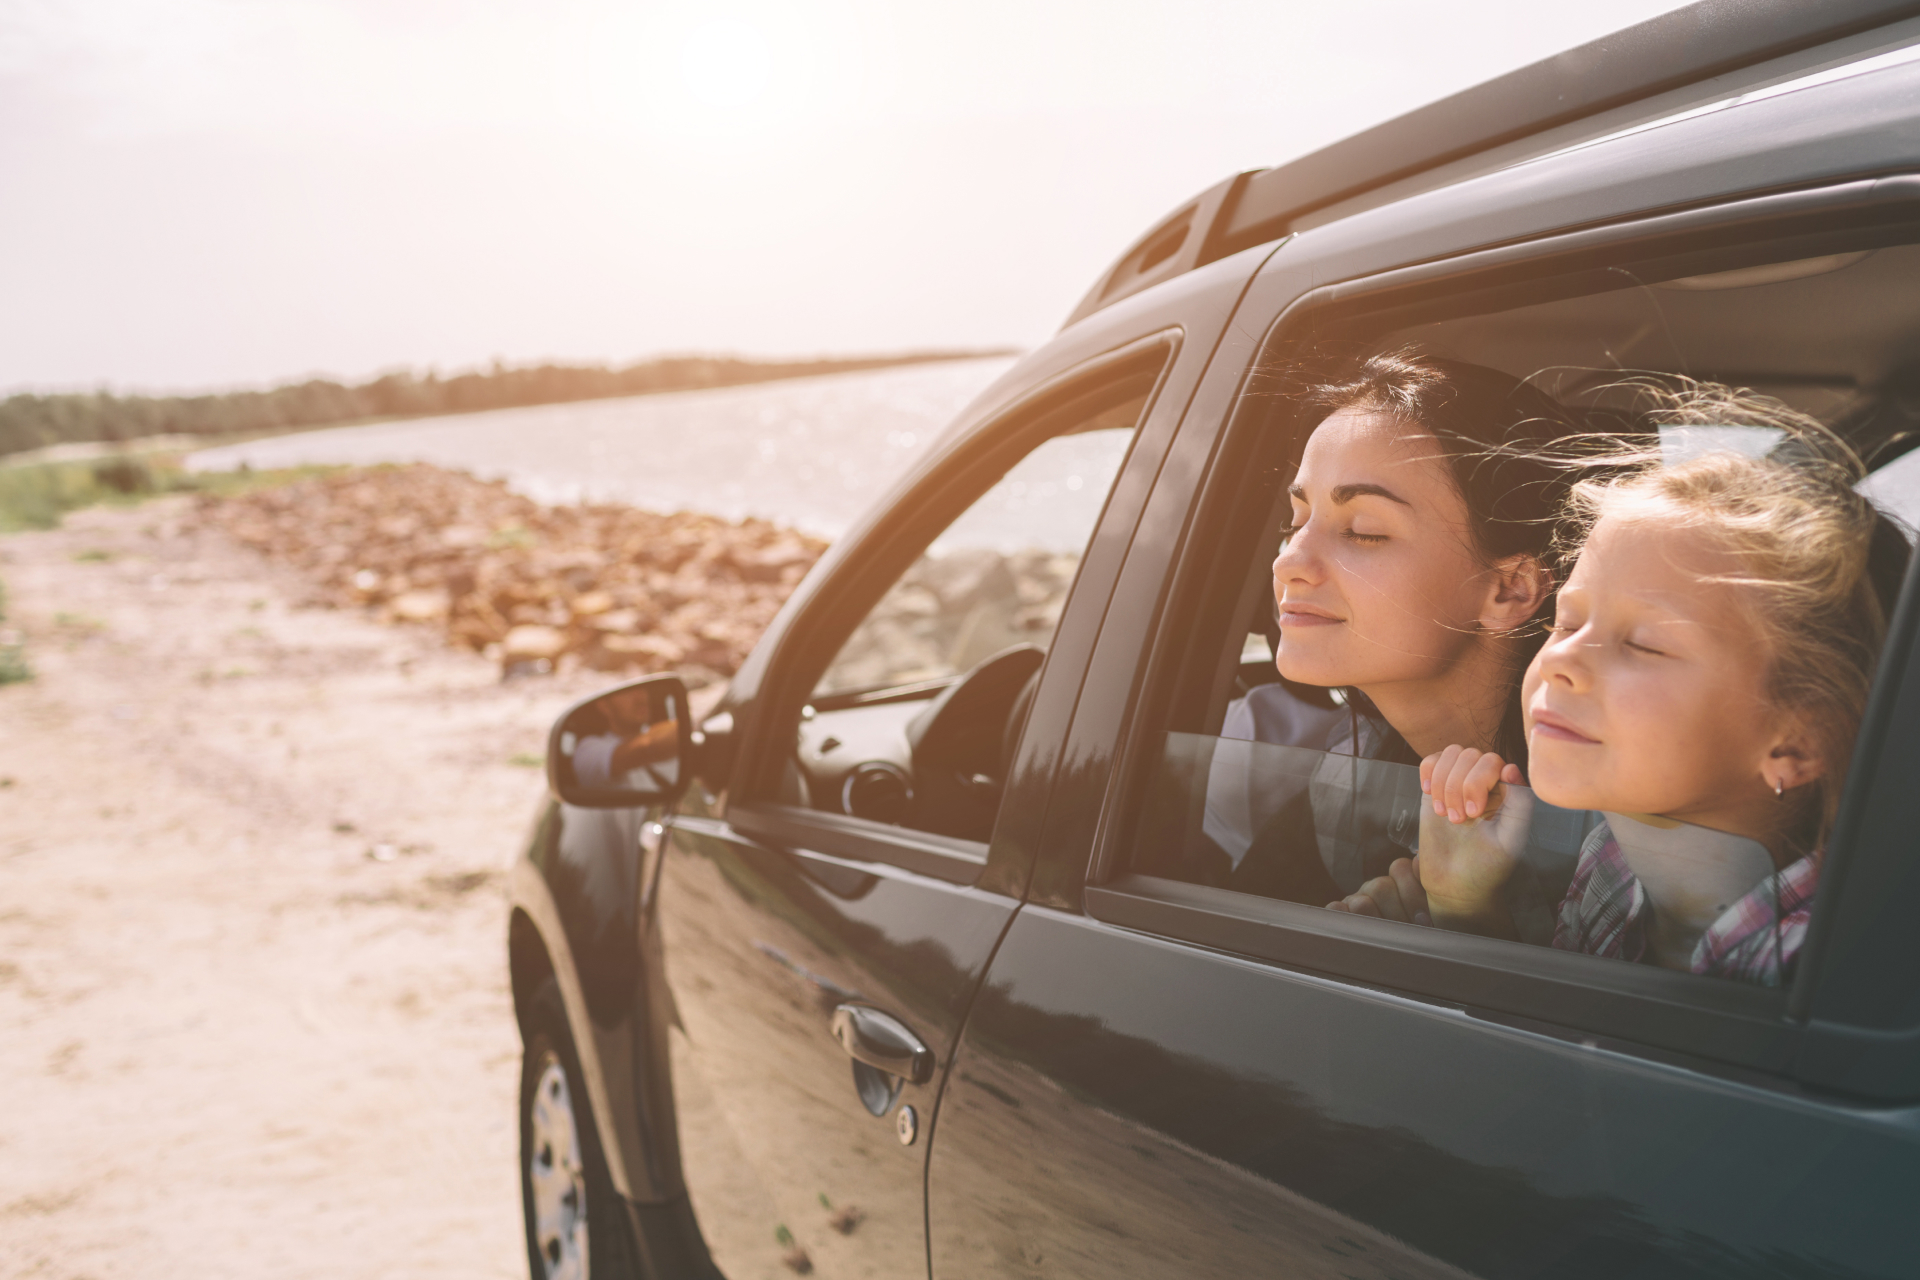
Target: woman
[
  {"x": 1414, "y": 578},
  {"x": 1415, "y": 568}
]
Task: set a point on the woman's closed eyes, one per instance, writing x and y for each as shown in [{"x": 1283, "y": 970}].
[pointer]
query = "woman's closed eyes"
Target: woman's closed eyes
[{"x": 1349, "y": 533}]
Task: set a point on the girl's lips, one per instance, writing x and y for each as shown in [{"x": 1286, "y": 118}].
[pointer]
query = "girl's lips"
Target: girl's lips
[
  {"x": 1306, "y": 615},
  {"x": 1548, "y": 725}
]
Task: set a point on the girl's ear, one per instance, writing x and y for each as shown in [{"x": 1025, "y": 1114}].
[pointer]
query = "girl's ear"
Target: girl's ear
[
  {"x": 1518, "y": 587},
  {"x": 1793, "y": 760}
]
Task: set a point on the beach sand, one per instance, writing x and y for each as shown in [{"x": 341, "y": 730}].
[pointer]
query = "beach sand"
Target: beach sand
[{"x": 254, "y": 1015}]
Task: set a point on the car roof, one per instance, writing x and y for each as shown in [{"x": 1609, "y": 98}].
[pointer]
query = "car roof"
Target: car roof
[{"x": 1668, "y": 52}]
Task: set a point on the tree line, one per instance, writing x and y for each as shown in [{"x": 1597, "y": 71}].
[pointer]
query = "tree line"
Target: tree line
[{"x": 30, "y": 421}]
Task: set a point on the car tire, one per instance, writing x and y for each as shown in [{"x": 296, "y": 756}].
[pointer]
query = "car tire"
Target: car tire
[{"x": 576, "y": 1225}]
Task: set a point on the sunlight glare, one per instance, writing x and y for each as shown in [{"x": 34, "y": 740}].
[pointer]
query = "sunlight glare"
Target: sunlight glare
[{"x": 724, "y": 63}]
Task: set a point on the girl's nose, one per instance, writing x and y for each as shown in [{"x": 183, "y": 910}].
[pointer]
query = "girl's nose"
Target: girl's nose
[{"x": 1563, "y": 660}]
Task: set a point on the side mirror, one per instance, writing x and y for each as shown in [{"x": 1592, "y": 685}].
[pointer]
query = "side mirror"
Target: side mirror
[{"x": 627, "y": 748}]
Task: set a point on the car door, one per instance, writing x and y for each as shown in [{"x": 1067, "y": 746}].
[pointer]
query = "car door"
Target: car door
[
  {"x": 836, "y": 901},
  {"x": 1164, "y": 1076}
]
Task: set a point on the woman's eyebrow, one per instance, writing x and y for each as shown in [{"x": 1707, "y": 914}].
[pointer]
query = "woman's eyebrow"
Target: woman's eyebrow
[{"x": 1345, "y": 493}]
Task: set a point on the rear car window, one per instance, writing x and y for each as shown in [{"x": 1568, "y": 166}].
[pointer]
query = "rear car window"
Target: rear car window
[{"x": 1578, "y": 665}]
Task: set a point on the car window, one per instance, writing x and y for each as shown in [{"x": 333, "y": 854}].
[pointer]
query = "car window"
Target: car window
[
  {"x": 1581, "y": 673},
  {"x": 914, "y": 721},
  {"x": 998, "y": 575}
]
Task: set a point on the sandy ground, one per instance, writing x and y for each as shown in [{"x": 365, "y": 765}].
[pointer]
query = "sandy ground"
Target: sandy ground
[{"x": 254, "y": 1017}]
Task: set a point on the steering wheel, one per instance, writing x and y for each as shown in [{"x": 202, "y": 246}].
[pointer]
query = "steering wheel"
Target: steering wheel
[{"x": 958, "y": 744}]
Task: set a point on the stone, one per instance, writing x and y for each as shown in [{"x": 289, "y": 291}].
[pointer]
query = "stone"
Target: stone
[
  {"x": 419, "y": 606},
  {"x": 530, "y": 642}
]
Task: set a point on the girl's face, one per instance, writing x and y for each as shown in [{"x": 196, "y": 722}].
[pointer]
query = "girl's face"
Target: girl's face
[
  {"x": 1379, "y": 582},
  {"x": 1650, "y": 696}
]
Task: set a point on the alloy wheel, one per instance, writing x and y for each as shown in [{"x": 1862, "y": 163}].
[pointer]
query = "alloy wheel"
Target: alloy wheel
[{"x": 557, "y": 1176}]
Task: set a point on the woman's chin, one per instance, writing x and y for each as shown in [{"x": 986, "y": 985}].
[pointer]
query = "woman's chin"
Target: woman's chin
[
  {"x": 1302, "y": 661},
  {"x": 1319, "y": 675}
]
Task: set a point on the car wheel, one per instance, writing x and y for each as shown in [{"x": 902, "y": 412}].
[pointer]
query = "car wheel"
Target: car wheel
[{"x": 576, "y": 1226}]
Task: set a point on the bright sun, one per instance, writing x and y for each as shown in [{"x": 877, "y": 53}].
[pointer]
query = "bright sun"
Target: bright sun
[{"x": 725, "y": 64}]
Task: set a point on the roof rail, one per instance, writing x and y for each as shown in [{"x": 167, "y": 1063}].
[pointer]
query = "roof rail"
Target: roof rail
[{"x": 1687, "y": 45}]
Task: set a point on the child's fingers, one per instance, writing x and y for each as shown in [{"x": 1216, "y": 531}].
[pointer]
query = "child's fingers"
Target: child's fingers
[
  {"x": 1479, "y": 787},
  {"x": 1513, "y": 775},
  {"x": 1441, "y": 769},
  {"x": 1358, "y": 904},
  {"x": 1453, "y": 792}
]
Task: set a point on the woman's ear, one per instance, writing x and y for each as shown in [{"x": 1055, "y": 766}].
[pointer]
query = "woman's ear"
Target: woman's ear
[{"x": 1519, "y": 586}]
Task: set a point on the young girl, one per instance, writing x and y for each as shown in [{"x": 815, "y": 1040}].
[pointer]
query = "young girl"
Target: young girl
[{"x": 1705, "y": 676}]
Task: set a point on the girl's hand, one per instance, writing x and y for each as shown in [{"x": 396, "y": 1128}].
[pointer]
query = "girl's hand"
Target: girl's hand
[
  {"x": 1463, "y": 782},
  {"x": 1396, "y": 895},
  {"x": 1467, "y": 859}
]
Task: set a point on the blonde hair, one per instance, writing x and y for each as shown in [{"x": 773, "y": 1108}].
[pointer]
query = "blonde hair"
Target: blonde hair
[{"x": 1801, "y": 535}]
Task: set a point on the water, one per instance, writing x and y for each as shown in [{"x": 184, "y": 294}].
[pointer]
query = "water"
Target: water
[{"x": 809, "y": 452}]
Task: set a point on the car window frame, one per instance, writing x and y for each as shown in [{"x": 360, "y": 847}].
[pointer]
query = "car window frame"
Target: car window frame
[
  {"x": 957, "y": 478},
  {"x": 1712, "y": 1022}
]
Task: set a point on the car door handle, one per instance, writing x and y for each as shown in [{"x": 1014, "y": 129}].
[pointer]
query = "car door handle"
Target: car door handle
[{"x": 883, "y": 1042}]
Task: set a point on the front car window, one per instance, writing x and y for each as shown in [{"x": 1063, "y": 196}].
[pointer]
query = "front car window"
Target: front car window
[
  {"x": 998, "y": 575},
  {"x": 915, "y": 720}
]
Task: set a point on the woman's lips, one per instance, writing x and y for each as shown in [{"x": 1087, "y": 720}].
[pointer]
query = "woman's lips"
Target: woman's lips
[
  {"x": 1306, "y": 615},
  {"x": 1557, "y": 728}
]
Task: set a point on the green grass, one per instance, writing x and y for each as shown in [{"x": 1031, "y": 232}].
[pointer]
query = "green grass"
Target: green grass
[
  {"x": 13, "y": 663},
  {"x": 13, "y": 650},
  {"x": 36, "y": 495},
  {"x": 228, "y": 484}
]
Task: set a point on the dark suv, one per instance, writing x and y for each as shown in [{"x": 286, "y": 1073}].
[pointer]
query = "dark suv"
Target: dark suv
[{"x": 883, "y": 963}]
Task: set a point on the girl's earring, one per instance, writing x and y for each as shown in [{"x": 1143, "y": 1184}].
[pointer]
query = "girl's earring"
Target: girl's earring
[{"x": 1778, "y": 790}]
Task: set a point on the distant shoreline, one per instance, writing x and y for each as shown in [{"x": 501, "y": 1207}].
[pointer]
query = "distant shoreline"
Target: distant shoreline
[{"x": 47, "y": 428}]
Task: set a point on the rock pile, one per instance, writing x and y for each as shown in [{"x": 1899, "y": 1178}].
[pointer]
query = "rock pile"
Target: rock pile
[{"x": 532, "y": 586}]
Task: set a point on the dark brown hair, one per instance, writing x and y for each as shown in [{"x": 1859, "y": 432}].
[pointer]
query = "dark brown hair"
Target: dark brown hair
[{"x": 1493, "y": 431}]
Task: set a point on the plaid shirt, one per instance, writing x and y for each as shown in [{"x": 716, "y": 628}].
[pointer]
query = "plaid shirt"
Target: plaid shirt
[{"x": 1754, "y": 940}]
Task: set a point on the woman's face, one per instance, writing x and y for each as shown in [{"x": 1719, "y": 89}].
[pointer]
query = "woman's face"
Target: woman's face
[{"x": 1379, "y": 582}]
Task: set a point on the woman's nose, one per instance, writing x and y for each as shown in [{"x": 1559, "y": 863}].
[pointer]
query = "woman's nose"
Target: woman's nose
[{"x": 1296, "y": 562}]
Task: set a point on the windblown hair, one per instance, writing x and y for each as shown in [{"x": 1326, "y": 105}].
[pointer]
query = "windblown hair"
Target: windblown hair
[
  {"x": 1492, "y": 428},
  {"x": 1819, "y": 566}
]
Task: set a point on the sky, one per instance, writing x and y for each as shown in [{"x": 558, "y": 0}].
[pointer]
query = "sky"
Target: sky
[{"x": 202, "y": 194}]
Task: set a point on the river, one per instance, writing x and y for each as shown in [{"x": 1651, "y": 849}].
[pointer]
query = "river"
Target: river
[{"x": 809, "y": 452}]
